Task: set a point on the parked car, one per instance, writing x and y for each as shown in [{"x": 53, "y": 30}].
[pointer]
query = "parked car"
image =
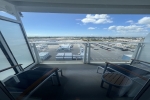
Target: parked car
[
  {"x": 124, "y": 49},
  {"x": 96, "y": 49}
]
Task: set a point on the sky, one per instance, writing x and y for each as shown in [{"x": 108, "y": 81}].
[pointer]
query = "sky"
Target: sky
[{"x": 61, "y": 24}]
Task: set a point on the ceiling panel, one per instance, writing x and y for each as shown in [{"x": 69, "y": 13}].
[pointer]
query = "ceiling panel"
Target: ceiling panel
[{"x": 83, "y": 6}]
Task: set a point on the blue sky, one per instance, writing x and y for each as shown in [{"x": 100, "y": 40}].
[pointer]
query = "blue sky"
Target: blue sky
[{"x": 56, "y": 24}]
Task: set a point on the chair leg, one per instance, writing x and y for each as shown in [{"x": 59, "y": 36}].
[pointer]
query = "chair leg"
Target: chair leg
[
  {"x": 97, "y": 69},
  {"x": 52, "y": 80},
  {"x": 102, "y": 84},
  {"x": 109, "y": 90},
  {"x": 57, "y": 76},
  {"x": 60, "y": 70}
]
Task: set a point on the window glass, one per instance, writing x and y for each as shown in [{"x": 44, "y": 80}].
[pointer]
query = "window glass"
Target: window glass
[
  {"x": 4, "y": 64},
  {"x": 14, "y": 37}
]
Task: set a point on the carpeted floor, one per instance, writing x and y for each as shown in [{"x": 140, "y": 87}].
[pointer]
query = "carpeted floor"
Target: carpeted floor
[{"x": 79, "y": 82}]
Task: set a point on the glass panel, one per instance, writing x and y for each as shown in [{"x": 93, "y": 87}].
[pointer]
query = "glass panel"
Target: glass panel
[
  {"x": 5, "y": 14},
  {"x": 112, "y": 52},
  {"x": 145, "y": 55},
  {"x": 55, "y": 51},
  {"x": 4, "y": 64},
  {"x": 60, "y": 52},
  {"x": 16, "y": 42}
]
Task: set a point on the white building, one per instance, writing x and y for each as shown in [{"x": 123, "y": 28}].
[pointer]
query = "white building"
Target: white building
[{"x": 65, "y": 47}]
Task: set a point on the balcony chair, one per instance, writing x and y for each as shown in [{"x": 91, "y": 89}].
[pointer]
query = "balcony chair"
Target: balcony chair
[
  {"x": 23, "y": 84},
  {"x": 127, "y": 72}
]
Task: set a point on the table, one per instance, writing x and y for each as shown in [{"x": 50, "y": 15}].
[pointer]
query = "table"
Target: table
[{"x": 117, "y": 80}]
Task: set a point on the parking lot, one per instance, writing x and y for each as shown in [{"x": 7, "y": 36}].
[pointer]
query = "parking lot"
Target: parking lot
[
  {"x": 53, "y": 51},
  {"x": 97, "y": 54},
  {"x": 113, "y": 54}
]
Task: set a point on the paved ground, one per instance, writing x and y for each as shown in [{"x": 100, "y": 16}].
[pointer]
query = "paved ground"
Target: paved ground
[
  {"x": 96, "y": 55},
  {"x": 106, "y": 55}
]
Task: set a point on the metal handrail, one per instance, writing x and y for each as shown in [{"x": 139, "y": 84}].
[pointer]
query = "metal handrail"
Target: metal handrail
[{"x": 11, "y": 67}]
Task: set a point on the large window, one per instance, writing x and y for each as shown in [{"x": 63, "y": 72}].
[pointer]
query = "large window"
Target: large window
[{"x": 14, "y": 37}]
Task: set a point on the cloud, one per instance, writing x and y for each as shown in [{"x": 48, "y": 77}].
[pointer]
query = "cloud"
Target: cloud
[
  {"x": 148, "y": 25},
  {"x": 79, "y": 24},
  {"x": 112, "y": 27},
  {"x": 2, "y": 12},
  {"x": 131, "y": 29},
  {"x": 139, "y": 28},
  {"x": 144, "y": 20},
  {"x": 96, "y": 19},
  {"x": 105, "y": 28},
  {"x": 92, "y": 28},
  {"x": 130, "y": 21}
]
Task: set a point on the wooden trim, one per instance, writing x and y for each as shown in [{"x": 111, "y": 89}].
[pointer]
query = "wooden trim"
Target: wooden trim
[
  {"x": 140, "y": 61},
  {"x": 135, "y": 74},
  {"x": 10, "y": 67},
  {"x": 35, "y": 84}
]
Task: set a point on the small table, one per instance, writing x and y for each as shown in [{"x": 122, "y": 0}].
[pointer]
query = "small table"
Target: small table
[{"x": 117, "y": 80}]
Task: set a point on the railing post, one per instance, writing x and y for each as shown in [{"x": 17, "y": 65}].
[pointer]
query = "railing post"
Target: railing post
[
  {"x": 36, "y": 54},
  {"x": 138, "y": 51},
  {"x": 85, "y": 54},
  {"x": 89, "y": 50}
]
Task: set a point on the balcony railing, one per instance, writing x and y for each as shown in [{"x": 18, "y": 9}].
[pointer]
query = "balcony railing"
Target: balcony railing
[
  {"x": 84, "y": 52},
  {"x": 112, "y": 52}
]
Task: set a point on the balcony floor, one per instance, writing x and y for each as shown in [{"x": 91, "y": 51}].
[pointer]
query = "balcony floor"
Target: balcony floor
[{"x": 79, "y": 82}]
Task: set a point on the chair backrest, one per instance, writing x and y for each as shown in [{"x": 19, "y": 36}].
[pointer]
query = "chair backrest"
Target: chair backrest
[
  {"x": 143, "y": 65},
  {"x": 127, "y": 70},
  {"x": 6, "y": 79}
]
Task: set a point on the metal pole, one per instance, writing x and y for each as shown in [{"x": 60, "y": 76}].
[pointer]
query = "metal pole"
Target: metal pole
[
  {"x": 89, "y": 51},
  {"x": 85, "y": 54},
  {"x": 36, "y": 54},
  {"x": 140, "y": 50}
]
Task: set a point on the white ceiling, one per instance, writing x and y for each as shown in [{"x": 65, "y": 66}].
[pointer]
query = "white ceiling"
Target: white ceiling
[{"x": 84, "y": 6}]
